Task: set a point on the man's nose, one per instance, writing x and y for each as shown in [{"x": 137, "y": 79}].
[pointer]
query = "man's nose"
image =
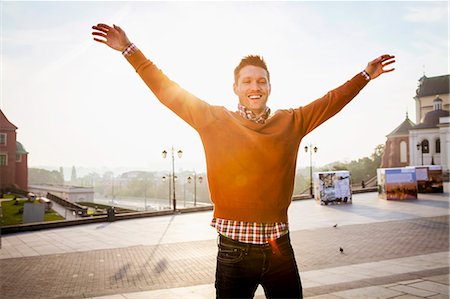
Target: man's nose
[{"x": 255, "y": 86}]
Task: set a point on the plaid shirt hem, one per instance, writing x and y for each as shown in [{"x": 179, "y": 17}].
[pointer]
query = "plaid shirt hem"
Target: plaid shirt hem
[{"x": 250, "y": 232}]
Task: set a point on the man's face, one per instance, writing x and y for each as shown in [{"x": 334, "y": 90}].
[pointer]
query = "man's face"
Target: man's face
[{"x": 253, "y": 88}]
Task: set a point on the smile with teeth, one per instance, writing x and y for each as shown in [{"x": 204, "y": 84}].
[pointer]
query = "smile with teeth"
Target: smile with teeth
[{"x": 254, "y": 97}]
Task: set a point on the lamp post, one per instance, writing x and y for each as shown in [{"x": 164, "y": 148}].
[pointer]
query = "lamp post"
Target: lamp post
[
  {"x": 164, "y": 155},
  {"x": 420, "y": 148},
  {"x": 200, "y": 180},
  {"x": 169, "y": 184},
  {"x": 310, "y": 149},
  {"x": 112, "y": 196}
]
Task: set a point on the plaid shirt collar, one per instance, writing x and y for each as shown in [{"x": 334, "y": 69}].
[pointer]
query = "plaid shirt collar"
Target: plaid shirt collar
[{"x": 248, "y": 114}]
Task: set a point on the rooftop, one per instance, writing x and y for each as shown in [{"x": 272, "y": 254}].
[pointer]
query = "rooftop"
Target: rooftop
[
  {"x": 403, "y": 128},
  {"x": 433, "y": 86}
]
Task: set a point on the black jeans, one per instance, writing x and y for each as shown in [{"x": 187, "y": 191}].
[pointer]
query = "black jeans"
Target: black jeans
[{"x": 242, "y": 267}]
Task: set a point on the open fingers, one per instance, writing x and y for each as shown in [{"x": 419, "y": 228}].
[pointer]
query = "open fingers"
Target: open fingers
[
  {"x": 383, "y": 58},
  {"x": 117, "y": 27},
  {"x": 389, "y": 70},
  {"x": 103, "y": 36},
  {"x": 100, "y": 40},
  {"x": 102, "y": 28},
  {"x": 387, "y": 62},
  {"x": 99, "y": 34}
]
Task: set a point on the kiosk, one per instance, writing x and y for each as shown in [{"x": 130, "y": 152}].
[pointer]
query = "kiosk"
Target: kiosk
[
  {"x": 429, "y": 178},
  {"x": 332, "y": 187},
  {"x": 397, "y": 183}
]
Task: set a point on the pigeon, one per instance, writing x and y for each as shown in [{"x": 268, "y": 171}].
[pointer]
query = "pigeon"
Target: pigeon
[
  {"x": 335, "y": 225},
  {"x": 341, "y": 249}
]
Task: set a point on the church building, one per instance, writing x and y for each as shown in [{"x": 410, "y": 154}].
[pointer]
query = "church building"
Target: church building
[{"x": 426, "y": 142}]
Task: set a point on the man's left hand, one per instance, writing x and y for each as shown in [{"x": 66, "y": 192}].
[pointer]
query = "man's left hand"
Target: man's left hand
[{"x": 376, "y": 66}]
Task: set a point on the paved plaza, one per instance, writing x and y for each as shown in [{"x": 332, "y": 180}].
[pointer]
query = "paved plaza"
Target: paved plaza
[{"x": 392, "y": 249}]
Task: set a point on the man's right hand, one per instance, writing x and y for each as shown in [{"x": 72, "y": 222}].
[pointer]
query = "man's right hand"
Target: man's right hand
[{"x": 114, "y": 36}]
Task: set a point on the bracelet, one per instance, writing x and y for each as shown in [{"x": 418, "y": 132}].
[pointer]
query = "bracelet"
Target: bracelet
[
  {"x": 366, "y": 75},
  {"x": 129, "y": 50}
]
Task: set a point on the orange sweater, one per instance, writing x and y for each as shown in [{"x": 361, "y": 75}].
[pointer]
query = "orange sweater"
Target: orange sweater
[{"x": 250, "y": 166}]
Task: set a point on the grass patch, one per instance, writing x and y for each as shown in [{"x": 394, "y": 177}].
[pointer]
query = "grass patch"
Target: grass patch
[{"x": 12, "y": 212}]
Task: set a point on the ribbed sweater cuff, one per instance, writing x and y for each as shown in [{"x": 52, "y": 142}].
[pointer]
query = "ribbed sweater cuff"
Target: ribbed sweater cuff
[{"x": 137, "y": 59}]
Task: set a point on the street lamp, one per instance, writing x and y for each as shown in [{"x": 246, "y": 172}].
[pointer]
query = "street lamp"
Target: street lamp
[
  {"x": 420, "y": 148},
  {"x": 112, "y": 196},
  {"x": 200, "y": 180},
  {"x": 311, "y": 149},
  {"x": 169, "y": 180},
  {"x": 169, "y": 184},
  {"x": 164, "y": 155}
]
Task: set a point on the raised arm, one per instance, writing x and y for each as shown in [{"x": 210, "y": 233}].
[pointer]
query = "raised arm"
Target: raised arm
[
  {"x": 191, "y": 109},
  {"x": 318, "y": 111}
]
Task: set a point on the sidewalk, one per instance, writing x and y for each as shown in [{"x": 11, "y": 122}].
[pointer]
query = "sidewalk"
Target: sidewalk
[{"x": 391, "y": 249}]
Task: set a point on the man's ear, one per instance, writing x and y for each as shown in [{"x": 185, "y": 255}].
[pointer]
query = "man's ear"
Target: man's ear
[{"x": 235, "y": 88}]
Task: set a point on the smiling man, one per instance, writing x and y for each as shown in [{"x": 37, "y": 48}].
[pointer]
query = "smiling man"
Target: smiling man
[
  {"x": 251, "y": 157},
  {"x": 252, "y": 85}
]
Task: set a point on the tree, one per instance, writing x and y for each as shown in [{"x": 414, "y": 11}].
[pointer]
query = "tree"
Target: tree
[
  {"x": 362, "y": 169},
  {"x": 378, "y": 154},
  {"x": 42, "y": 176},
  {"x": 108, "y": 175},
  {"x": 73, "y": 177},
  {"x": 61, "y": 171}
]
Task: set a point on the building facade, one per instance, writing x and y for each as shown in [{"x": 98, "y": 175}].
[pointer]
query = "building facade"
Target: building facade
[
  {"x": 428, "y": 141},
  {"x": 13, "y": 157},
  {"x": 428, "y": 89},
  {"x": 396, "y": 149},
  {"x": 70, "y": 193},
  {"x": 429, "y": 138}
]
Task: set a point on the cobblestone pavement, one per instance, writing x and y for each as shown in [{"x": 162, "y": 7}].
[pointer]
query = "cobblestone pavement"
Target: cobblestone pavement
[{"x": 139, "y": 268}]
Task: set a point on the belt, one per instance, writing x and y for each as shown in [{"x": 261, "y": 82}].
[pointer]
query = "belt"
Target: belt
[{"x": 246, "y": 246}]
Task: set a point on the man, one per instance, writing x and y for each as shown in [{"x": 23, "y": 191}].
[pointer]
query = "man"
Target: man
[{"x": 251, "y": 158}]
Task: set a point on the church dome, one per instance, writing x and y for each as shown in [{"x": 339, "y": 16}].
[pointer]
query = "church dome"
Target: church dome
[
  {"x": 431, "y": 119},
  {"x": 20, "y": 149}
]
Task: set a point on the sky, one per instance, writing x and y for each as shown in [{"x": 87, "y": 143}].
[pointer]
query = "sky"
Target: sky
[{"x": 79, "y": 103}]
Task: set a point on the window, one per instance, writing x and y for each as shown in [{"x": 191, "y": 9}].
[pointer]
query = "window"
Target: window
[
  {"x": 2, "y": 139},
  {"x": 18, "y": 157},
  {"x": 425, "y": 147},
  {"x": 403, "y": 152},
  {"x": 3, "y": 159},
  {"x": 438, "y": 146}
]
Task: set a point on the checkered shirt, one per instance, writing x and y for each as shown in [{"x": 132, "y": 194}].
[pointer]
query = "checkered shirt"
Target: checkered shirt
[
  {"x": 250, "y": 232},
  {"x": 250, "y": 115},
  {"x": 129, "y": 50}
]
